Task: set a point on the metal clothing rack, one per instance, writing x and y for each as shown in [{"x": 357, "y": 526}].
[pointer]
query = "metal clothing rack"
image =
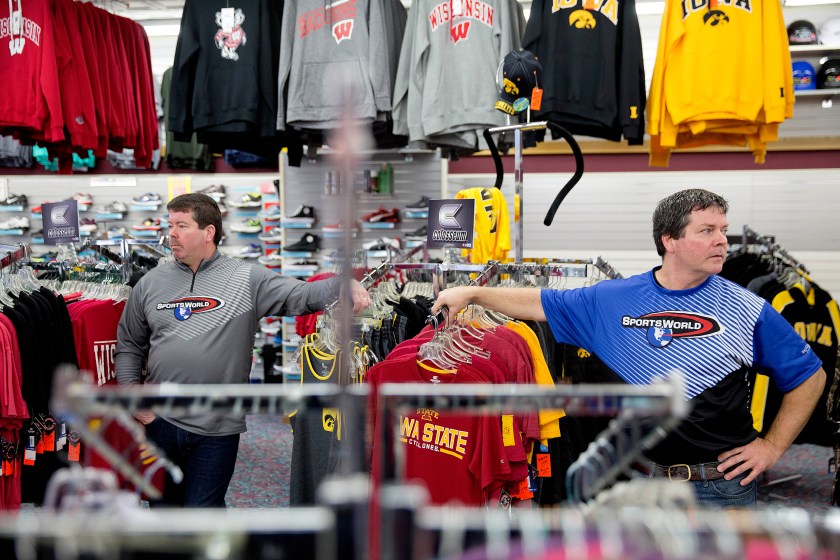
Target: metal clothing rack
[
  {"x": 77, "y": 401},
  {"x": 633, "y": 530},
  {"x": 518, "y": 176},
  {"x": 750, "y": 236},
  {"x": 12, "y": 254},
  {"x": 134, "y": 532},
  {"x": 664, "y": 401}
]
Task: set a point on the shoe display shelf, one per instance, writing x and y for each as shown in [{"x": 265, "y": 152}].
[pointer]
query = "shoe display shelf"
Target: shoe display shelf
[
  {"x": 290, "y": 342},
  {"x": 413, "y": 176},
  {"x": 144, "y": 207}
]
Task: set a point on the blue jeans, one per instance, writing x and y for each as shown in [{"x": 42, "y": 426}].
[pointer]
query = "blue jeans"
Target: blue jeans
[
  {"x": 206, "y": 461},
  {"x": 726, "y": 493}
]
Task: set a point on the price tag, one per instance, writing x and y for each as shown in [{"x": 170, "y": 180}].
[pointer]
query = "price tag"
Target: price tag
[
  {"x": 507, "y": 430},
  {"x": 227, "y": 19},
  {"x": 29, "y": 453},
  {"x": 536, "y": 98},
  {"x": 457, "y": 8},
  {"x": 49, "y": 442},
  {"x": 74, "y": 449},
  {"x": 62, "y": 437},
  {"x": 543, "y": 465}
]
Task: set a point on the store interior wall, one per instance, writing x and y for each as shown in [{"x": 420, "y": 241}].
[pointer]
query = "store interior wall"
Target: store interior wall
[
  {"x": 609, "y": 214},
  {"x": 811, "y": 119}
]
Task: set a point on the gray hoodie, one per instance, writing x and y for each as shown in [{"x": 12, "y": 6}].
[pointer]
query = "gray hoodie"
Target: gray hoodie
[
  {"x": 199, "y": 328},
  {"x": 330, "y": 55}
]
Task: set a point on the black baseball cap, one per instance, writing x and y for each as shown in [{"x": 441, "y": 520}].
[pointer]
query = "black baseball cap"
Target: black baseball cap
[
  {"x": 521, "y": 73},
  {"x": 802, "y": 32},
  {"x": 828, "y": 76}
]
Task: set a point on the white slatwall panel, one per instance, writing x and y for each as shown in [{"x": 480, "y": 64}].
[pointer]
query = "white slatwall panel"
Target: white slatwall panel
[
  {"x": 41, "y": 188},
  {"x": 609, "y": 214}
]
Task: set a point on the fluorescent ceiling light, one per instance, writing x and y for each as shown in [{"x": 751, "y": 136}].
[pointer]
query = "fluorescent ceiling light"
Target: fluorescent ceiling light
[
  {"x": 650, "y": 8},
  {"x": 167, "y": 30}
]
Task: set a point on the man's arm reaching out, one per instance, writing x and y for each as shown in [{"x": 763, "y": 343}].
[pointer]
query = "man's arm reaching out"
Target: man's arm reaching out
[{"x": 519, "y": 303}]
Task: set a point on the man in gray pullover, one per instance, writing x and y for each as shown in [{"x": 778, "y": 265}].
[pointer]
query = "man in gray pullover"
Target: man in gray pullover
[{"x": 194, "y": 321}]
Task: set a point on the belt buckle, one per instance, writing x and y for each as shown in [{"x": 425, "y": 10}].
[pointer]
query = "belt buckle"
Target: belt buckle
[{"x": 686, "y": 479}]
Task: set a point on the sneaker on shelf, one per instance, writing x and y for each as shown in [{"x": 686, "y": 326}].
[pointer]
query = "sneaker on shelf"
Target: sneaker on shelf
[
  {"x": 14, "y": 200},
  {"x": 309, "y": 242},
  {"x": 274, "y": 235},
  {"x": 250, "y": 200},
  {"x": 148, "y": 198},
  {"x": 83, "y": 199},
  {"x": 272, "y": 214},
  {"x": 270, "y": 325},
  {"x": 15, "y": 222},
  {"x": 88, "y": 224},
  {"x": 37, "y": 209},
  {"x": 419, "y": 234},
  {"x": 251, "y": 225},
  {"x": 116, "y": 232},
  {"x": 115, "y": 207},
  {"x": 303, "y": 211},
  {"x": 382, "y": 215},
  {"x": 382, "y": 244},
  {"x": 149, "y": 224},
  {"x": 300, "y": 264},
  {"x": 273, "y": 260},
  {"x": 419, "y": 206},
  {"x": 222, "y": 208},
  {"x": 37, "y": 233},
  {"x": 251, "y": 251},
  {"x": 213, "y": 191}
]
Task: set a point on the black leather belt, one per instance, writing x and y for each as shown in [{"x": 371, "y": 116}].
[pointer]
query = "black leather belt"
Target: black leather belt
[{"x": 680, "y": 472}]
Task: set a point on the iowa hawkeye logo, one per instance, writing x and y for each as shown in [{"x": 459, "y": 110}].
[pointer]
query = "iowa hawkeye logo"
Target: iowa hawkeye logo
[
  {"x": 185, "y": 307},
  {"x": 664, "y": 326}
]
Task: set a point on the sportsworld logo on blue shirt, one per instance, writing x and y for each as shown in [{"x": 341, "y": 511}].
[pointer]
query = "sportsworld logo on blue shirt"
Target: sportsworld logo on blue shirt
[
  {"x": 184, "y": 308},
  {"x": 664, "y": 326}
]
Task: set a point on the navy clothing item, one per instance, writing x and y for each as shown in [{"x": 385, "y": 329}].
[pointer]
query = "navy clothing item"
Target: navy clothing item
[
  {"x": 207, "y": 463},
  {"x": 713, "y": 334}
]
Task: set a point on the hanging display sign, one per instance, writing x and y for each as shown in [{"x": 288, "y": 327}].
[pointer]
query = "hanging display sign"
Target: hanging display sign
[
  {"x": 61, "y": 222},
  {"x": 451, "y": 223}
]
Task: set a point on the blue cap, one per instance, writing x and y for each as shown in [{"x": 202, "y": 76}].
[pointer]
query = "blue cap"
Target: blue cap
[{"x": 804, "y": 76}]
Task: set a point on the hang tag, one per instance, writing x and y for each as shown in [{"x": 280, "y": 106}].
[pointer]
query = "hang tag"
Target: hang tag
[
  {"x": 713, "y": 4},
  {"x": 543, "y": 465},
  {"x": 507, "y": 430},
  {"x": 62, "y": 437},
  {"x": 227, "y": 19},
  {"x": 8, "y": 458},
  {"x": 74, "y": 450},
  {"x": 457, "y": 8},
  {"x": 536, "y": 98},
  {"x": 29, "y": 454},
  {"x": 526, "y": 488},
  {"x": 48, "y": 442},
  {"x": 588, "y": 4},
  {"x": 504, "y": 500}
]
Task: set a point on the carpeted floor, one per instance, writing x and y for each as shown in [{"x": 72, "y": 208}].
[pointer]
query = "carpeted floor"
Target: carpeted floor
[{"x": 262, "y": 471}]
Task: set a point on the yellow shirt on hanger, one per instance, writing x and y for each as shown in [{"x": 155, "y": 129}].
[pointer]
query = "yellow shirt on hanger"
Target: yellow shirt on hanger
[
  {"x": 549, "y": 425},
  {"x": 492, "y": 225}
]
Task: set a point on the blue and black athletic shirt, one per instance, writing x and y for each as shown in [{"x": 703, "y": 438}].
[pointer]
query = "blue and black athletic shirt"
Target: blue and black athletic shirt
[{"x": 712, "y": 334}]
